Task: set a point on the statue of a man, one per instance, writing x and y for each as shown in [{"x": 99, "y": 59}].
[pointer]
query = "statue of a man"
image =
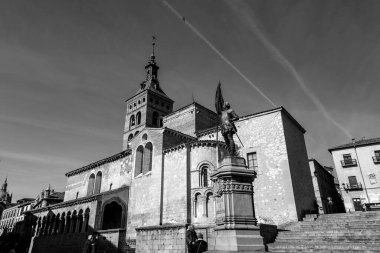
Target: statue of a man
[{"x": 228, "y": 128}]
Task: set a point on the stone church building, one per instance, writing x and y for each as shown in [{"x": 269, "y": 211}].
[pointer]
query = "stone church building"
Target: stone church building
[{"x": 160, "y": 181}]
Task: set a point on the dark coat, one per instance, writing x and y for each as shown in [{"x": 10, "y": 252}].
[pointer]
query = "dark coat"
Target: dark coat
[
  {"x": 200, "y": 246},
  {"x": 90, "y": 246},
  {"x": 191, "y": 236}
]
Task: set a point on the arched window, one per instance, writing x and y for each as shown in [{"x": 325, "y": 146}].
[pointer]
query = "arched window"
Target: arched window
[
  {"x": 130, "y": 137},
  {"x": 112, "y": 216},
  {"x": 137, "y": 132},
  {"x": 155, "y": 119},
  {"x": 77, "y": 195},
  {"x": 139, "y": 160},
  {"x": 138, "y": 118},
  {"x": 161, "y": 122},
  {"x": 209, "y": 205},
  {"x": 98, "y": 182},
  {"x": 90, "y": 187},
  {"x": 203, "y": 176},
  {"x": 148, "y": 151},
  {"x": 132, "y": 121}
]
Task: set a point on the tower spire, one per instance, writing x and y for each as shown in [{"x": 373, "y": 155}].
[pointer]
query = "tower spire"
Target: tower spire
[{"x": 153, "y": 44}]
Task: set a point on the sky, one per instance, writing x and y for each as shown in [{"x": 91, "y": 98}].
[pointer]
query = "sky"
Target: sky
[{"x": 67, "y": 66}]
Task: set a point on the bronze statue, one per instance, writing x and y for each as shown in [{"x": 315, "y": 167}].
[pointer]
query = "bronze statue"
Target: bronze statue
[
  {"x": 228, "y": 128},
  {"x": 227, "y": 118}
]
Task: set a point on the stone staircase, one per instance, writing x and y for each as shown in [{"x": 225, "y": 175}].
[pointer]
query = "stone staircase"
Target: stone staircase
[{"x": 345, "y": 232}]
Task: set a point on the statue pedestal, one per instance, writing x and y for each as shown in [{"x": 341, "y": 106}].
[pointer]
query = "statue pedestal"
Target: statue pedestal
[{"x": 236, "y": 228}]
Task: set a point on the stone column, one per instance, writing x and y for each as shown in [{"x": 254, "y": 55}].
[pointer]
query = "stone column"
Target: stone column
[
  {"x": 61, "y": 225},
  {"x": 85, "y": 222},
  {"x": 235, "y": 220},
  {"x": 204, "y": 204}
]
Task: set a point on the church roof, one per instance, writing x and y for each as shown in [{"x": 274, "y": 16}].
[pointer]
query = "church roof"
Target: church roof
[
  {"x": 99, "y": 163},
  {"x": 357, "y": 143},
  {"x": 253, "y": 115},
  {"x": 187, "y": 106}
]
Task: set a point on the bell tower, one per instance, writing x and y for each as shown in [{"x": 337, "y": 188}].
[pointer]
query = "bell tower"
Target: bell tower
[{"x": 147, "y": 107}]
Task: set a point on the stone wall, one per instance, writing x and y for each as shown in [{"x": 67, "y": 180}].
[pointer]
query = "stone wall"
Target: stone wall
[
  {"x": 190, "y": 119},
  {"x": 165, "y": 239},
  {"x": 264, "y": 133},
  {"x": 145, "y": 192},
  {"x": 299, "y": 167},
  {"x": 175, "y": 187},
  {"x": 115, "y": 174}
]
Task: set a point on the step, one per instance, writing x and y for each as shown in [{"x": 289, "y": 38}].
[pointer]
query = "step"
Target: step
[
  {"x": 324, "y": 250},
  {"x": 325, "y": 245},
  {"x": 330, "y": 227},
  {"x": 327, "y": 239}
]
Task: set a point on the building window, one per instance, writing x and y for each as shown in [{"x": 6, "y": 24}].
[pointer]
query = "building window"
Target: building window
[
  {"x": 376, "y": 158},
  {"x": 352, "y": 181},
  {"x": 138, "y": 118},
  {"x": 77, "y": 195},
  {"x": 203, "y": 176},
  {"x": 348, "y": 161},
  {"x": 132, "y": 121},
  {"x": 130, "y": 137},
  {"x": 252, "y": 161},
  {"x": 155, "y": 119},
  {"x": 139, "y": 160},
  {"x": 90, "y": 187},
  {"x": 98, "y": 182},
  {"x": 137, "y": 132},
  {"x": 148, "y": 152}
]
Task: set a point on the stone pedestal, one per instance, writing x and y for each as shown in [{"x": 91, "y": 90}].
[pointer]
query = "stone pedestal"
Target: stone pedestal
[{"x": 236, "y": 229}]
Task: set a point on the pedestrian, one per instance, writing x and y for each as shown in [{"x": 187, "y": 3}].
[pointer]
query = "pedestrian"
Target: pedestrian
[
  {"x": 191, "y": 237},
  {"x": 90, "y": 246},
  {"x": 200, "y": 245}
]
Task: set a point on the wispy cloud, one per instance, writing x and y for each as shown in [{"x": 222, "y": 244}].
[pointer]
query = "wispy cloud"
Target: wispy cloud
[
  {"x": 228, "y": 62},
  {"x": 240, "y": 9},
  {"x": 55, "y": 126},
  {"x": 38, "y": 158}
]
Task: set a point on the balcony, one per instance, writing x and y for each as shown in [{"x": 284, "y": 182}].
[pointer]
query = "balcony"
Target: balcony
[
  {"x": 349, "y": 162},
  {"x": 353, "y": 187},
  {"x": 376, "y": 159}
]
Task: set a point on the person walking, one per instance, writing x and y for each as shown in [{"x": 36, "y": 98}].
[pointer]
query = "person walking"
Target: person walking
[
  {"x": 191, "y": 237},
  {"x": 200, "y": 245}
]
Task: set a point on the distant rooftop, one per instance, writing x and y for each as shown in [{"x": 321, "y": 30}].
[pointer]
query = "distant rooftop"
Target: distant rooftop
[{"x": 357, "y": 143}]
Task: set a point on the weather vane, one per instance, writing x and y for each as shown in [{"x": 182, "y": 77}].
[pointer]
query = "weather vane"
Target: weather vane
[{"x": 153, "y": 43}]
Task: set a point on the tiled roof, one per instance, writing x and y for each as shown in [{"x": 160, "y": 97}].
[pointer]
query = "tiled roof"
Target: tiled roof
[
  {"x": 99, "y": 163},
  {"x": 357, "y": 143}
]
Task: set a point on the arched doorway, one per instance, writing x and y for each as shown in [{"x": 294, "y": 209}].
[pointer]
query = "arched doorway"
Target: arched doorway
[{"x": 112, "y": 216}]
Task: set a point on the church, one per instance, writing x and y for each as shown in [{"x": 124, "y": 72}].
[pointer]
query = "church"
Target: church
[{"x": 161, "y": 180}]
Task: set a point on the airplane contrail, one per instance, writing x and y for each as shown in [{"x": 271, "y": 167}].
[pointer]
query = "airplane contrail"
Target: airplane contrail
[
  {"x": 281, "y": 59},
  {"x": 202, "y": 37}
]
